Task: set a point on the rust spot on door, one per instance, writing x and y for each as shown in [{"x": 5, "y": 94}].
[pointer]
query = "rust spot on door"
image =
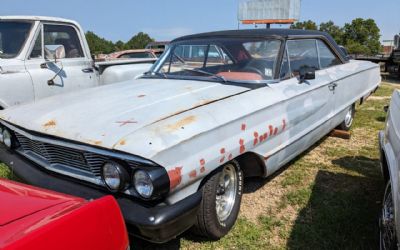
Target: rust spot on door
[
  {"x": 243, "y": 128},
  {"x": 181, "y": 123},
  {"x": 193, "y": 174},
  {"x": 122, "y": 142},
  {"x": 51, "y": 123},
  {"x": 141, "y": 96},
  {"x": 175, "y": 177}
]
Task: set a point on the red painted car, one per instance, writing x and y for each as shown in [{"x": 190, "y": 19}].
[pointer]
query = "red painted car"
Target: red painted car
[{"x": 33, "y": 218}]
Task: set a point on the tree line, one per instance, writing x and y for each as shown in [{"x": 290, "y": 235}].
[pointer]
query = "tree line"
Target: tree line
[
  {"x": 361, "y": 36},
  {"x": 99, "y": 45}
]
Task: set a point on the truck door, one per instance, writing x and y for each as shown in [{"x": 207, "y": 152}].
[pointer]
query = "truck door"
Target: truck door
[{"x": 74, "y": 72}]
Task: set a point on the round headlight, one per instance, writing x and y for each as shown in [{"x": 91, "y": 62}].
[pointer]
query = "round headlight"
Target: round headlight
[
  {"x": 143, "y": 184},
  {"x": 114, "y": 176},
  {"x": 7, "y": 138}
]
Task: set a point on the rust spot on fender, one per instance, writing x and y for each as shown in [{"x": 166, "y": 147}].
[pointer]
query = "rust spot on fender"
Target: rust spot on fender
[
  {"x": 202, "y": 169},
  {"x": 230, "y": 157},
  {"x": 243, "y": 128},
  {"x": 175, "y": 177},
  {"x": 255, "y": 142},
  {"x": 242, "y": 147},
  {"x": 122, "y": 142},
  {"x": 283, "y": 125},
  {"x": 193, "y": 174},
  {"x": 51, "y": 123},
  {"x": 181, "y": 123}
]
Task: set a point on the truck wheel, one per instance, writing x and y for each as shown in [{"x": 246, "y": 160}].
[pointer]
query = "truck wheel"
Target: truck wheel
[
  {"x": 387, "y": 228},
  {"x": 348, "y": 119},
  {"x": 219, "y": 208}
]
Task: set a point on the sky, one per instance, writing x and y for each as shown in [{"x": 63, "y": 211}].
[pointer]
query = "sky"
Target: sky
[{"x": 168, "y": 19}]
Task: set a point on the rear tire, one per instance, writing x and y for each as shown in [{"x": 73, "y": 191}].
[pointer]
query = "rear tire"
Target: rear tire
[
  {"x": 348, "y": 120},
  {"x": 219, "y": 208},
  {"x": 387, "y": 225}
]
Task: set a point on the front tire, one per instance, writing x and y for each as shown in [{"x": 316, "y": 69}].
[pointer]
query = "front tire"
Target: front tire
[
  {"x": 219, "y": 208},
  {"x": 348, "y": 119},
  {"x": 387, "y": 234}
]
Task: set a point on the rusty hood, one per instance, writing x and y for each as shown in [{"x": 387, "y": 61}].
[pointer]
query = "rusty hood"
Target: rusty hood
[{"x": 104, "y": 116}]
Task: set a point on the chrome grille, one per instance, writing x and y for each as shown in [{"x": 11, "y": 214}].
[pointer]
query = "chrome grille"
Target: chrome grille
[{"x": 59, "y": 155}]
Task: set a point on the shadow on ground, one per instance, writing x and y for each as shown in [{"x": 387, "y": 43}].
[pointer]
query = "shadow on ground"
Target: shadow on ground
[{"x": 343, "y": 208}]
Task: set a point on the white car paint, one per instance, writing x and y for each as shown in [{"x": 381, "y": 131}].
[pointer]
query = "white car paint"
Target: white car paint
[
  {"x": 158, "y": 118},
  {"x": 22, "y": 79},
  {"x": 389, "y": 140}
]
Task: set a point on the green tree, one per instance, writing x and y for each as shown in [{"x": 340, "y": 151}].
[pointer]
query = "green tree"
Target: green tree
[
  {"x": 361, "y": 36},
  {"x": 97, "y": 44},
  {"x": 335, "y": 31},
  {"x": 119, "y": 45},
  {"x": 139, "y": 41},
  {"x": 306, "y": 25}
]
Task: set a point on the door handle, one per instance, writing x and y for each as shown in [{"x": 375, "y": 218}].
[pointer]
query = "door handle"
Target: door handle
[
  {"x": 88, "y": 70},
  {"x": 332, "y": 86},
  {"x": 44, "y": 65}
]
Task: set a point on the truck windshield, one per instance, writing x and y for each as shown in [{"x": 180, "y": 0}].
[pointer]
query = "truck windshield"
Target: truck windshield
[
  {"x": 13, "y": 35},
  {"x": 234, "y": 59}
]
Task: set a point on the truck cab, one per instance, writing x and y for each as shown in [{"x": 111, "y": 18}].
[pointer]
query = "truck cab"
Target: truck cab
[{"x": 30, "y": 69}]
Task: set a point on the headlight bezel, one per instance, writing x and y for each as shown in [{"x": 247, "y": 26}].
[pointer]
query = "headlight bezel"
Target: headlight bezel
[
  {"x": 122, "y": 174},
  {"x": 140, "y": 176}
]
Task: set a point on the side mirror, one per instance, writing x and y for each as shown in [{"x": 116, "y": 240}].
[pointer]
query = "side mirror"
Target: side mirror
[
  {"x": 306, "y": 74},
  {"x": 54, "y": 52}
]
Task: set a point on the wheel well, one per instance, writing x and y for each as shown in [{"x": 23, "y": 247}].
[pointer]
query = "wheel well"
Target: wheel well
[
  {"x": 385, "y": 167},
  {"x": 251, "y": 165}
]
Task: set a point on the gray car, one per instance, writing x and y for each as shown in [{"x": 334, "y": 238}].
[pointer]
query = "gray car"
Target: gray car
[{"x": 389, "y": 142}]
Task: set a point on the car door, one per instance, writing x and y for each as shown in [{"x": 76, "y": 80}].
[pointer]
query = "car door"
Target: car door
[
  {"x": 345, "y": 84},
  {"x": 71, "y": 73},
  {"x": 308, "y": 105}
]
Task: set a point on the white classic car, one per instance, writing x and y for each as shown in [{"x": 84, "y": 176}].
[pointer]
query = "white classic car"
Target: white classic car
[
  {"x": 389, "y": 142},
  {"x": 30, "y": 68},
  {"x": 175, "y": 146}
]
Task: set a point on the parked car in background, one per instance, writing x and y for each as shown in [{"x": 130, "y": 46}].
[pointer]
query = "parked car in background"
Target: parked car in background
[
  {"x": 133, "y": 53},
  {"x": 45, "y": 56},
  {"x": 175, "y": 146},
  {"x": 33, "y": 218},
  {"x": 389, "y": 142},
  {"x": 158, "y": 47}
]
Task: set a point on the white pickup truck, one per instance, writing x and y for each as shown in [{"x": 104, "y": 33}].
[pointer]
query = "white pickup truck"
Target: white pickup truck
[{"x": 44, "y": 56}]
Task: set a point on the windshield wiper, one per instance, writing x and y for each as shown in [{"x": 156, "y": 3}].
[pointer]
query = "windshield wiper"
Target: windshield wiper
[{"x": 221, "y": 78}]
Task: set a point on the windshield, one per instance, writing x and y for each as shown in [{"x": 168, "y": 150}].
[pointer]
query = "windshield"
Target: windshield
[
  {"x": 12, "y": 37},
  {"x": 244, "y": 59}
]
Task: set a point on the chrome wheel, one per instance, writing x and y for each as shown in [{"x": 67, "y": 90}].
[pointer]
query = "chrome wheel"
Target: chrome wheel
[
  {"x": 348, "y": 119},
  {"x": 226, "y": 192},
  {"x": 387, "y": 223}
]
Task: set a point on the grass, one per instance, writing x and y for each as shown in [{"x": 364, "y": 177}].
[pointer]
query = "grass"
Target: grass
[{"x": 327, "y": 198}]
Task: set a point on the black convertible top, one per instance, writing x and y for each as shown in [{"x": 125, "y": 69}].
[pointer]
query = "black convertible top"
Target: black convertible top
[{"x": 263, "y": 33}]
